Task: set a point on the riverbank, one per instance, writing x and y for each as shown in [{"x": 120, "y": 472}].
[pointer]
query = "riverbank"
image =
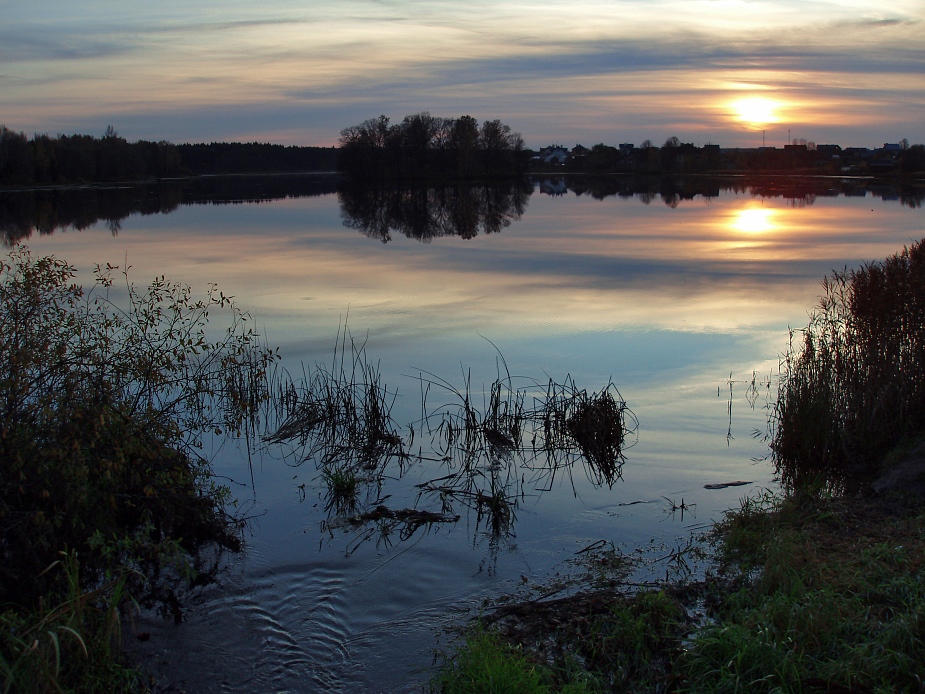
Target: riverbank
[{"x": 805, "y": 593}]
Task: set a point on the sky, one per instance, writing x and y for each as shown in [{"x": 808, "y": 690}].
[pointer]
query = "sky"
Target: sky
[{"x": 738, "y": 73}]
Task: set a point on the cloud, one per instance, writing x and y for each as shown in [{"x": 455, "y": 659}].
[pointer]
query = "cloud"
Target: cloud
[{"x": 657, "y": 65}]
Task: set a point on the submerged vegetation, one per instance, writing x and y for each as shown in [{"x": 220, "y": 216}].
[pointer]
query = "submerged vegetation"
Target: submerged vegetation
[
  {"x": 515, "y": 442},
  {"x": 104, "y": 500}
]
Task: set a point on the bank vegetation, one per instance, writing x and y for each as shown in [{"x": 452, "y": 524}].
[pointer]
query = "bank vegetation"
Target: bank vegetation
[{"x": 105, "y": 502}]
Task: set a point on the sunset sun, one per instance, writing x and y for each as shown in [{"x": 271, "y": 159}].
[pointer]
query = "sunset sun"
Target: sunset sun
[{"x": 756, "y": 111}]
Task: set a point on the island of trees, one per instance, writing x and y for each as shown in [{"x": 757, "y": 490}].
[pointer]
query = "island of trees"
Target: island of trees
[{"x": 426, "y": 146}]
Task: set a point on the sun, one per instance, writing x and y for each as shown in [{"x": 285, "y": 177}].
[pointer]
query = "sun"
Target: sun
[{"x": 756, "y": 110}]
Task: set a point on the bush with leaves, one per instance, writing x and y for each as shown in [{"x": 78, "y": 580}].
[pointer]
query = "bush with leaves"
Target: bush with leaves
[{"x": 105, "y": 394}]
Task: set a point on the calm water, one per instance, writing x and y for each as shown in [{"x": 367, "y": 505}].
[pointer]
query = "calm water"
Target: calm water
[{"x": 664, "y": 292}]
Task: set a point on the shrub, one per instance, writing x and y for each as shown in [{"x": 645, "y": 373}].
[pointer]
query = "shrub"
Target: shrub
[{"x": 102, "y": 407}]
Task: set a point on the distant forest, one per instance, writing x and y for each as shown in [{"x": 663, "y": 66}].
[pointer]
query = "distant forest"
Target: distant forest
[{"x": 84, "y": 158}]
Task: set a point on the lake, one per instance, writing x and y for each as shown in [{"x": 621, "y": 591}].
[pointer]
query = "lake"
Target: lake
[{"x": 675, "y": 293}]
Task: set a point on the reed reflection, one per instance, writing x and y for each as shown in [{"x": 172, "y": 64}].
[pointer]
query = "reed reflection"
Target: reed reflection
[{"x": 421, "y": 213}]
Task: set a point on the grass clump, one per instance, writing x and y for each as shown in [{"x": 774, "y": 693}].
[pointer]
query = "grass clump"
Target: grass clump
[
  {"x": 105, "y": 395},
  {"x": 73, "y": 643},
  {"x": 488, "y": 665},
  {"x": 855, "y": 388},
  {"x": 825, "y": 595}
]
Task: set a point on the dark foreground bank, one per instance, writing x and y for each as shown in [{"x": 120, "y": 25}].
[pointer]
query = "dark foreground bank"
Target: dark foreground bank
[{"x": 806, "y": 594}]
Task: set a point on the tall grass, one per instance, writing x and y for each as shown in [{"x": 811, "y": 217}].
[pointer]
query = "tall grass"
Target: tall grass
[
  {"x": 71, "y": 641},
  {"x": 853, "y": 385}
]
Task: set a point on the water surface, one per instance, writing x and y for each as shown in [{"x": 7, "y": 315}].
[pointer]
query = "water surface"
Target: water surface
[{"x": 667, "y": 290}]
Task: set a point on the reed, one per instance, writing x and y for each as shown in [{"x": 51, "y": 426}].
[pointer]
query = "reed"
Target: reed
[
  {"x": 341, "y": 414},
  {"x": 852, "y": 383}
]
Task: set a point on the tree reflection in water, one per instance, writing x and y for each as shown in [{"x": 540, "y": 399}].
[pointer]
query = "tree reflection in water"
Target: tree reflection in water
[{"x": 425, "y": 213}]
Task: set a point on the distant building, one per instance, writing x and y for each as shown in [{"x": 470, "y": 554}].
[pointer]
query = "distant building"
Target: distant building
[{"x": 554, "y": 155}]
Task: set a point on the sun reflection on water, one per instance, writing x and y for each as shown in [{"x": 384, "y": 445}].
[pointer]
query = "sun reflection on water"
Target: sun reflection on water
[{"x": 755, "y": 220}]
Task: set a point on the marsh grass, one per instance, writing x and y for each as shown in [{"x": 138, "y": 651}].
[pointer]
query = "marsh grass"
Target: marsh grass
[
  {"x": 491, "y": 450},
  {"x": 338, "y": 412},
  {"x": 598, "y": 425},
  {"x": 342, "y": 487},
  {"x": 852, "y": 384}
]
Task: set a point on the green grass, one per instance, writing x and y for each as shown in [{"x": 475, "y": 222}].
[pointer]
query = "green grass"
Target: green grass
[
  {"x": 837, "y": 601},
  {"x": 488, "y": 665},
  {"x": 342, "y": 486},
  {"x": 806, "y": 595}
]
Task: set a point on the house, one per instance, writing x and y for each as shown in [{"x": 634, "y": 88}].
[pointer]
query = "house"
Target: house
[{"x": 554, "y": 154}]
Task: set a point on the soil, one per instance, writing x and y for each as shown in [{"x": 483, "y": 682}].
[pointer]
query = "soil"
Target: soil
[{"x": 906, "y": 476}]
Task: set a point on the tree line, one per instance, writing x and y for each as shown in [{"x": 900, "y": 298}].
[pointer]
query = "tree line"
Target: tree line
[
  {"x": 84, "y": 158},
  {"x": 426, "y": 146},
  {"x": 677, "y": 157}
]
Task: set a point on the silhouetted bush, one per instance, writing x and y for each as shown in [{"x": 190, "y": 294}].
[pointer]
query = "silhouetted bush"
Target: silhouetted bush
[{"x": 103, "y": 406}]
